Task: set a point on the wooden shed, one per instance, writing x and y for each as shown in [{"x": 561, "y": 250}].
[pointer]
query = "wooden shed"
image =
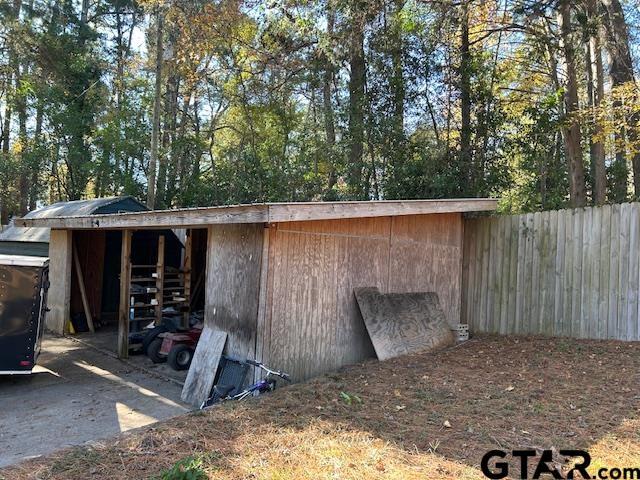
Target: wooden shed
[{"x": 280, "y": 277}]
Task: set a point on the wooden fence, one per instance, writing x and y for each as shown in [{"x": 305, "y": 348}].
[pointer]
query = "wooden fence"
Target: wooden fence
[{"x": 571, "y": 273}]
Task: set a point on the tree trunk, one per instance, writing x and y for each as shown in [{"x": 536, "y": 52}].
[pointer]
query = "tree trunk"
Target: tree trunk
[
  {"x": 166, "y": 161},
  {"x": 595, "y": 90},
  {"x": 464, "y": 73},
  {"x": 397, "y": 151},
  {"x": 183, "y": 153},
  {"x": 572, "y": 136},
  {"x": 20, "y": 104},
  {"x": 621, "y": 72},
  {"x": 38, "y": 164},
  {"x": 327, "y": 106},
  {"x": 355, "y": 181},
  {"x": 119, "y": 93},
  {"x": 155, "y": 133},
  {"x": 5, "y": 209}
]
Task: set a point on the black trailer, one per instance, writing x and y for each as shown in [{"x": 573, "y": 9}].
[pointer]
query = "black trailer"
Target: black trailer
[{"x": 24, "y": 282}]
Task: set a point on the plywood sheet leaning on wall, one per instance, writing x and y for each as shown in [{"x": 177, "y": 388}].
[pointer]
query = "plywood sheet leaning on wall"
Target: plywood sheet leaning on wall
[
  {"x": 204, "y": 365},
  {"x": 402, "y": 323}
]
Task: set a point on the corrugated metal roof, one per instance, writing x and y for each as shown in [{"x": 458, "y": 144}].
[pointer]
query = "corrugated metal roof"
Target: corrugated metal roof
[
  {"x": 12, "y": 233},
  {"x": 96, "y": 206}
]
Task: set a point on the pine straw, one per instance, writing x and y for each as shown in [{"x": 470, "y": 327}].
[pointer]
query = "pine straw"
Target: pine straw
[{"x": 494, "y": 392}]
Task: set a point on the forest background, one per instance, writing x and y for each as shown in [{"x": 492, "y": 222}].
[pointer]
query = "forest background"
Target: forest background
[{"x": 191, "y": 103}]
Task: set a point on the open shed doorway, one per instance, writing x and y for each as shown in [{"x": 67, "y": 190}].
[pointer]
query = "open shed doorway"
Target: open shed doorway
[{"x": 99, "y": 260}]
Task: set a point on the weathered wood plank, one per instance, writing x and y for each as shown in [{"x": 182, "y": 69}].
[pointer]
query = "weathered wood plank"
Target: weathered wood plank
[
  {"x": 513, "y": 273},
  {"x": 545, "y": 270},
  {"x": 125, "y": 280},
  {"x": 576, "y": 295},
  {"x": 586, "y": 289},
  {"x": 521, "y": 273},
  {"x": 634, "y": 270},
  {"x": 188, "y": 277},
  {"x": 614, "y": 266},
  {"x": 559, "y": 274},
  {"x": 536, "y": 277},
  {"x": 261, "y": 213},
  {"x": 288, "y": 212},
  {"x": 197, "y": 387},
  {"x": 478, "y": 292},
  {"x": 529, "y": 286},
  {"x": 568, "y": 279},
  {"x": 467, "y": 269},
  {"x": 605, "y": 259},
  {"x": 623, "y": 271},
  {"x": 484, "y": 290},
  {"x": 595, "y": 250},
  {"x": 178, "y": 218},
  {"x": 505, "y": 233},
  {"x": 83, "y": 292},
  {"x": 58, "y": 301},
  {"x": 550, "y": 267},
  {"x": 160, "y": 274}
]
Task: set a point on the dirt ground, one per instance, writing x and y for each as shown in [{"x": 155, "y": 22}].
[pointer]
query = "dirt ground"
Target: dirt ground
[
  {"x": 77, "y": 395},
  {"x": 106, "y": 341},
  {"x": 423, "y": 416}
]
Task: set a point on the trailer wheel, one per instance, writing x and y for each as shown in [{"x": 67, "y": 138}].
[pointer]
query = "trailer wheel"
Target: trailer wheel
[
  {"x": 153, "y": 351},
  {"x": 180, "y": 357}
]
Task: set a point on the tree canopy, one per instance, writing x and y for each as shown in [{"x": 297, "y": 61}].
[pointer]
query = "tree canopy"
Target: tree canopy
[{"x": 207, "y": 102}]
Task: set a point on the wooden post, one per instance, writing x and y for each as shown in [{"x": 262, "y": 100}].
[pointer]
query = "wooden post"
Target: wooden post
[
  {"x": 125, "y": 278},
  {"x": 59, "y": 297},
  {"x": 186, "y": 268},
  {"x": 83, "y": 292},
  {"x": 159, "y": 281}
]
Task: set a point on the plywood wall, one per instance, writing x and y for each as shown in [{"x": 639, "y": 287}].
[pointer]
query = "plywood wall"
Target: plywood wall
[
  {"x": 311, "y": 323},
  {"x": 232, "y": 284}
]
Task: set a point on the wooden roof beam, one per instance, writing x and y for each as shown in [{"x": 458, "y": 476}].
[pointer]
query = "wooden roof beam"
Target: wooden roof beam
[{"x": 260, "y": 213}]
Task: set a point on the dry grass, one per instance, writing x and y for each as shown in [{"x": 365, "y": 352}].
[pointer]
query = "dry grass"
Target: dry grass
[{"x": 387, "y": 419}]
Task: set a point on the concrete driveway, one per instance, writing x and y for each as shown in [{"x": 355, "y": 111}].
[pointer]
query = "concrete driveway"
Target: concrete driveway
[{"x": 78, "y": 395}]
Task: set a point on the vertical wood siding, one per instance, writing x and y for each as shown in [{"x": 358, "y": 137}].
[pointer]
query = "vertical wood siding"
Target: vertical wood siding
[
  {"x": 573, "y": 273},
  {"x": 311, "y": 322}
]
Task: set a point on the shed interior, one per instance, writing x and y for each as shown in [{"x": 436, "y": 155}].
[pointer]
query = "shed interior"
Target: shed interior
[{"x": 98, "y": 258}]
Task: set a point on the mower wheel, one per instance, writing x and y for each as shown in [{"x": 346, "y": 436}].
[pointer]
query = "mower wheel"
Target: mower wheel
[
  {"x": 152, "y": 335},
  {"x": 153, "y": 351},
  {"x": 180, "y": 357}
]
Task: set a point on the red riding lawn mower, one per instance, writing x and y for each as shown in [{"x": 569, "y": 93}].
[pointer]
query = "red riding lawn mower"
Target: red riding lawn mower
[{"x": 174, "y": 347}]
